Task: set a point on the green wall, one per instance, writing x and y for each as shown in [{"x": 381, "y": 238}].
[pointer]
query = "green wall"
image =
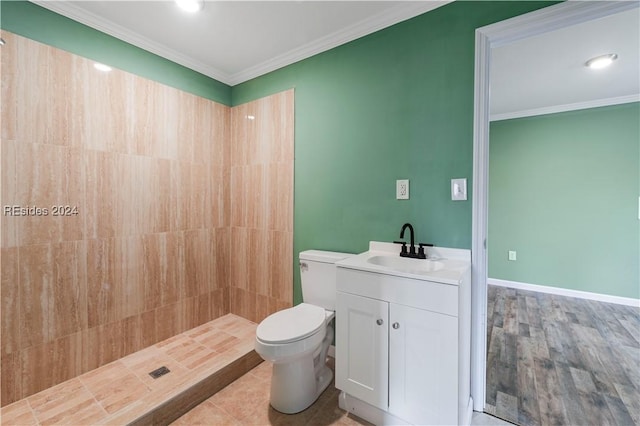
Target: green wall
[
  {"x": 397, "y": 104},
  {"x": 37, "y": 23},
  {"x": 563, "y": 193}
]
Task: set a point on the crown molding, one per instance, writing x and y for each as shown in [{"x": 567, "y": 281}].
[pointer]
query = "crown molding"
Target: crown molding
[
  {"x": 106, "y": 26},
  {"x": 618, "y": 100},
  {"x": 402, "y": 12}
]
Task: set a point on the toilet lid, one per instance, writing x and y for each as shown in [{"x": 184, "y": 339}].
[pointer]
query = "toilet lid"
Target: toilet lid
[{"x": 290, "y": 325}]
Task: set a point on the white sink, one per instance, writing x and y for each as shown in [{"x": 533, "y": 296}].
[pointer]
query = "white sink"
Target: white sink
[
  {"x": 405, "y": 264},
  {"x": 443, "y": 265}
]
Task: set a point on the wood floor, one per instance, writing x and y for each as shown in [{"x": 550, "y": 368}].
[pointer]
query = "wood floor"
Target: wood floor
[{"x": 555, "y": 360}]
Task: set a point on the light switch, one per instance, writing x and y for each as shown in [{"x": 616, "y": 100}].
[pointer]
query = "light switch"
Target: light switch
[{"x": 459, "y": 189}]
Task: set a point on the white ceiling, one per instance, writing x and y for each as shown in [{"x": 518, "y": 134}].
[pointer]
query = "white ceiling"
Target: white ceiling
[
  {"x": 234, "y": 41},
  {"x": 547, "y": 73}
]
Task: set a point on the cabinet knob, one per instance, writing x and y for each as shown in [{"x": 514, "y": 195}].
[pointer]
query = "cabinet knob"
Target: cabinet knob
[
  {"x": 379, "y": 321},
  {"x": 396, "y": 325}
]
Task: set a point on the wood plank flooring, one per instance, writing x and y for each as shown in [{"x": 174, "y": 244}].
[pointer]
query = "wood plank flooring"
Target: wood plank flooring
[{"x": 555, "y": 360}]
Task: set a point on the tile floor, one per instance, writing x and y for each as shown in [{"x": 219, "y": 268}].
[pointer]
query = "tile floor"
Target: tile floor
[
  {"x": 246, "y": 402},
  {"x": 119, "y": 392}
]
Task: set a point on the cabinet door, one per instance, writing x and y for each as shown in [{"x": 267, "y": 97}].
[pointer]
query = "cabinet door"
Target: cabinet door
[
  {"x": 362, "y": 338},
  {"x": 423, "y": 366}
]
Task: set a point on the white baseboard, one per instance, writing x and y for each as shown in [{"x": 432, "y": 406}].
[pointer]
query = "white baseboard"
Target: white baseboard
[{"x": 628, "y": 301}]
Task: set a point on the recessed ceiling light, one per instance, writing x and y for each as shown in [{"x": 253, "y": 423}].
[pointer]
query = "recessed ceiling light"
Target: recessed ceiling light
[
  {"x": 602, "y": 61},
  {"x": 190, "y": 6},
  {"x": 102, "y": 67}
]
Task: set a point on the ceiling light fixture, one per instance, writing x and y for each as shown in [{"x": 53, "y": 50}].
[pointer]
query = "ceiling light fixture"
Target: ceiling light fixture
[
  {"x": 102, "y": 67},
  {"x": 602, "y": 61},
  {"x": 190, "y": 6}
]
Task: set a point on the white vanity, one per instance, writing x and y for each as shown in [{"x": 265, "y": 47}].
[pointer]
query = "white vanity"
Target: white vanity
[{"x": 403, "y": 336}]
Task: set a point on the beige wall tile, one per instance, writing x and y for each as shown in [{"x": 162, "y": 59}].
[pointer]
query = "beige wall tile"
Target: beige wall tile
[
  {"x": 280, "y": 263},
  {"x": 8, "y": 98},
  {"x": 9, "y": 187},
  {"x": 11, "y": 388},
  {"x": 105, "y": 95},
  {"x": 53, "y": 297},
  {"x": 48, "y": 364},
  {"x": 261, "y": 252},
  {"x": 152, "y": 250},
  {"x": 43, "y": 73},
  {"x": 220, "y": 253},
  {"x": 48, "y": 176},
  {"x": 104, "y": 343},
  {"x": 102, "y": 302},
  {"x": 10, "y": 297},
  {"x": 101, "y": 194}
]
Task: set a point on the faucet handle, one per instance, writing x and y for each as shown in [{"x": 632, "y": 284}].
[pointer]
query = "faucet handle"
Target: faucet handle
[
  {"x": 421, "y": 252},
  {"x": 403, "y": 250}
]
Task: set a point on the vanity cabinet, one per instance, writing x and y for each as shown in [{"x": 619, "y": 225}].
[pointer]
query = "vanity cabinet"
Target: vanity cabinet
[{"x": 398, "y": 348}]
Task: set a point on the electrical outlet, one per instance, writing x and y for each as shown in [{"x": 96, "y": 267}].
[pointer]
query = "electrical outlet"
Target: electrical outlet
[
  {"x": 512, "y": 255},
  {"x": 402, "y": 189}
]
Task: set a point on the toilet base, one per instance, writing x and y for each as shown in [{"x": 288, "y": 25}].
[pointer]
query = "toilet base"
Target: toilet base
[{"x": 294, "y": 386}]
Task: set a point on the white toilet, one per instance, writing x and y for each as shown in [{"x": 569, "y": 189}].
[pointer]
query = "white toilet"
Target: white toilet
[{"x": 296, "y": 340}]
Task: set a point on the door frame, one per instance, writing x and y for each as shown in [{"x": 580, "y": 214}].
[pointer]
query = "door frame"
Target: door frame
[{"x": 495, "y": 35}]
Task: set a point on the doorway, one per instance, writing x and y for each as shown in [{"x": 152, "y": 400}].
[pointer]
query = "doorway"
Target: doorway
[{"x": 488, "y": 38}]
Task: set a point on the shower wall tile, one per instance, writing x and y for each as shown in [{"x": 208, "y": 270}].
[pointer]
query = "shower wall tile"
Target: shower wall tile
[
  {"x": 101, "y": 194},
  {"x": 9, "y": 186},
  {"x": 8, "y": 88},
  {"x": 279, "y": 208},
  {"x": 48, "y": 364},
  {"x": 106, "y": 343},
  {"x": 197, "y": 262},
  {"x": 11, "y": 386},
  {"x": 10, "y": 295},
  {"x": 53, "y": 299},
  {"x": 184, "y": 213},
  {"x": 221, "y": 272},
  {"x": 261, "y": 250},
  {"x": 280, "y": 263},
  {"x": 163, "y": 269},
  {"x": 49, "y": 178},
  {"x": 105, "y": 95},
  {"x": 102, "y": 302},
  {"x": 43, "y": 73},
  {"x": 257, "y": 258}
]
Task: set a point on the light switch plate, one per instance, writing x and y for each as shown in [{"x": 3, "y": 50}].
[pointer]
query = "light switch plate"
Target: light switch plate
[{"x": 459, "y": 189}]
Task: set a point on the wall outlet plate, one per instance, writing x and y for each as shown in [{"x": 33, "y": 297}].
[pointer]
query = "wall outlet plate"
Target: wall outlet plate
[
  {"x": 402, "y": 189},
  {"x": 512, "y": 255},
  {"x": 459, "y": 189}
]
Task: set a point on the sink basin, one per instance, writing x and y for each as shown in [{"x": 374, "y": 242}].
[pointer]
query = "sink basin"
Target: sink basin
[{"x": 407, "y": 265}]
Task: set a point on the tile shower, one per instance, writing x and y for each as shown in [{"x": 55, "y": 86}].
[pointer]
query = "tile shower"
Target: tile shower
[{"x": 184, "y": 213}]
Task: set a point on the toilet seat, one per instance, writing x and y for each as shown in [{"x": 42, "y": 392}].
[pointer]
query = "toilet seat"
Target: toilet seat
[{"x": 292, "y": 324}]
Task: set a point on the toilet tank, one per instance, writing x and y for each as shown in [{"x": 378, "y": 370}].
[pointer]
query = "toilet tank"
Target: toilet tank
[{"x": 318, "y": 277}]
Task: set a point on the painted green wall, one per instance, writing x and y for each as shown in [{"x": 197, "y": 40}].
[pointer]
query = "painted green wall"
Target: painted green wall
[
  {"x": 563, "y": 193},
  {"x": 397, "y": 104},
  {"x": 39, "y": 24}
]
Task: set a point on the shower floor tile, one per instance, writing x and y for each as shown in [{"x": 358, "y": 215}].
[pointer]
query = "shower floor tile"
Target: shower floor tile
[{"x": 121, "y": 391}]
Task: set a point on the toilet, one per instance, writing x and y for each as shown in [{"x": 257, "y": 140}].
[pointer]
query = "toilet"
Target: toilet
[{"x": 296, "y": 340}]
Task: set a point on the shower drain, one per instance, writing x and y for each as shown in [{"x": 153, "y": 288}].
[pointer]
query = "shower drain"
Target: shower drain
[{"x": 159, "y": 372}]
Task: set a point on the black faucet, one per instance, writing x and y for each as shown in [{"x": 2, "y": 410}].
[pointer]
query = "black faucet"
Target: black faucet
[{"x": 412, "y": 248}]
